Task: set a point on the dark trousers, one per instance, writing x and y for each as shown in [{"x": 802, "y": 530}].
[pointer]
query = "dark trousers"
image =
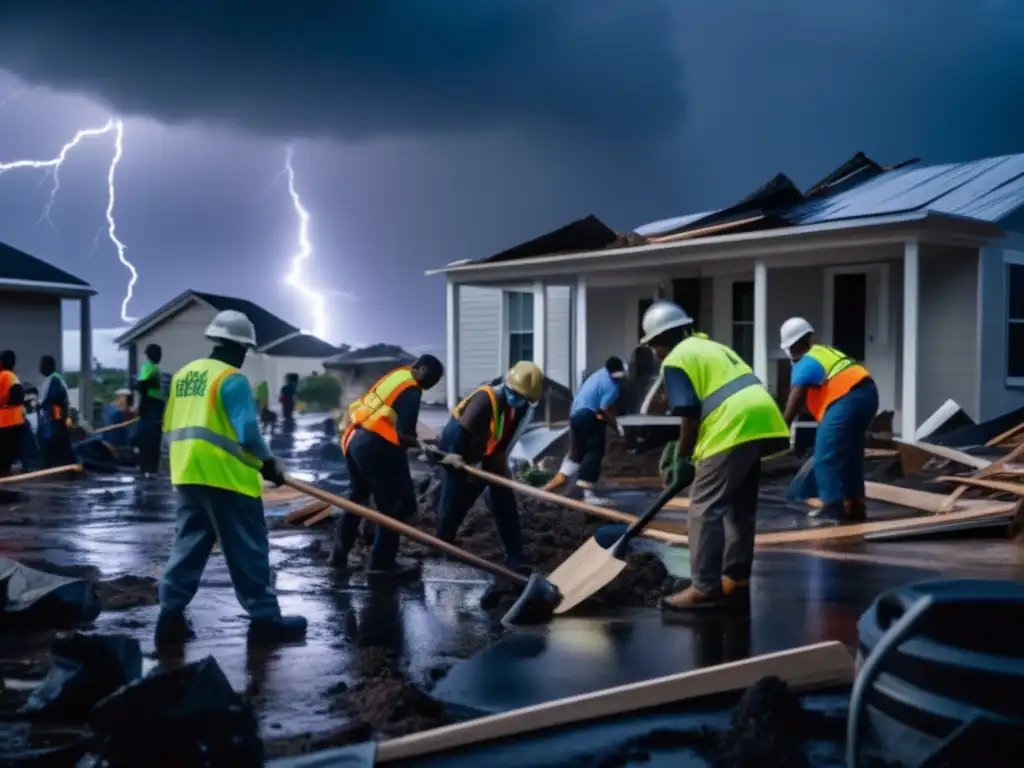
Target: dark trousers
[
  {"x": 10, "y": 447},
  {"x": 459, "y": 491},
  {"x": 55, "y": 445},
  {"x": 149, "y": 435},
  {"x": 380, "y": 470},
  {"x": 723, "y": 513},
  {"x": 588, "y": 441}
]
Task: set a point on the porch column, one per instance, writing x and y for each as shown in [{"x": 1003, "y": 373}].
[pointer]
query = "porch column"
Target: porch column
[
  {"x": 540, "y": 326},
  {"x": 85, "y": 355},
  {"x": 451, "y": 344},
  {"x": 911, "y": 311},
  {"x": 761, "y": 322},
  {"x": 579, "y": 325}
]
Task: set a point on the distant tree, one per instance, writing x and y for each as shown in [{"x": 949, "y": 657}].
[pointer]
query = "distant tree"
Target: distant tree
[{"x": 319, "y": 392}]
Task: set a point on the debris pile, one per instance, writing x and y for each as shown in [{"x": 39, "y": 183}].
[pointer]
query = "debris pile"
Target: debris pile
[{"x": 385, "y": 700}]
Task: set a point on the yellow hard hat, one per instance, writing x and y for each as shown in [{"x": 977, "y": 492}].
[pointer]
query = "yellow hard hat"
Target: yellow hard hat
[{"x": 526, "y": 379}]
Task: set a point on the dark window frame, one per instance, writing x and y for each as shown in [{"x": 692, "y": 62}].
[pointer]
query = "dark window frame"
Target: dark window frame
[
  {"x": 1014, "y": 320},
  {"x": 743, "y": 305}
]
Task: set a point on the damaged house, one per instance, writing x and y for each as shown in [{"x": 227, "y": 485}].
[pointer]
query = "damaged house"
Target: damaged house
[{"x": 916, "y": 270}]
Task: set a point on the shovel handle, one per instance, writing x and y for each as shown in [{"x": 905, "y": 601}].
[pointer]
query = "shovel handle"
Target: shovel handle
[
  {"x": 637, "y": 527},
  {"x": 406, "y": 530},
  {"x": 40, "y": 473}
]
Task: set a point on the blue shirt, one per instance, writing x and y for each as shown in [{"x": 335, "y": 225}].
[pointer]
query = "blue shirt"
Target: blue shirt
[
  {"x": 240, "y": 406},
  {"x": 682, "y": 397},
  {"x": 598, "y": 392},
  {"x": 807, "y": 372}
]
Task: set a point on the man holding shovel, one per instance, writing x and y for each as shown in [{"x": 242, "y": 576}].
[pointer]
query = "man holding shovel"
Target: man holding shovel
[{"x": 729, "y": 420}]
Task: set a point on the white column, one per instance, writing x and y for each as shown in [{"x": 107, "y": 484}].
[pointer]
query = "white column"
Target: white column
[
  {"x": 85, "y": 375},
  {"x": 451, "y": 344},
  {"x": 761, "y": 322},
  {"x": 540, "y": 326},
  {"x": 579, "y": 331},
  {"x": 911, "y": 312}
]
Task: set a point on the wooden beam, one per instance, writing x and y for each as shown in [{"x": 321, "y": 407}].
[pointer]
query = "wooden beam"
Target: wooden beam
[
  {"x": 993, "y": 485},
  {"x": 992, "y": 469},
  {"x": 917, "y": 454},
  {"x": 806, "y": 668},
  {"x": 303, "y": 512},
  {"x": 1002, "y": 438}
]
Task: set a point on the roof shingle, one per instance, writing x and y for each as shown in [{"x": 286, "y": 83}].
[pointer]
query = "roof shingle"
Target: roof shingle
[{"x": 18, "y": 265}]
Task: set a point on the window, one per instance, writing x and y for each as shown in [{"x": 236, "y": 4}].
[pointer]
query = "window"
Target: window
[
  {"x": 520, "y": 327},
  {"x": 1015, "y": 321},
  {"x": 743, "y": 319}
]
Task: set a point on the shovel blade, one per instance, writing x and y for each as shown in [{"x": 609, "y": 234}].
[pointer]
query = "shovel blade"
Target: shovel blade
[{"x": 586, "y": 572}]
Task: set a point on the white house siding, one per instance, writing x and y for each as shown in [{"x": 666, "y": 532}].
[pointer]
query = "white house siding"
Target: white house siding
[
  {"x": 31, "y": 328},
  {"x": 558, "y": 349},
  {"x": 947, "y": 337},
  {"x": 613, "y": 322},
  {"x": 181, "y": 337},
  {"x": 479, "y": 336}
]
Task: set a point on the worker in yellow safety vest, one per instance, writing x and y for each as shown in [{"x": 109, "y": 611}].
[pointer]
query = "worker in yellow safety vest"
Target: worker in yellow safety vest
[
  {"x": 842, "y": 397},
  {"x": 481, "y": 431},
  {"x": 217, "y": 459},
  {"x": 12, "y": 412},
  {"x": 729, "y": 421},
  {"x": 382, "y": 426}
]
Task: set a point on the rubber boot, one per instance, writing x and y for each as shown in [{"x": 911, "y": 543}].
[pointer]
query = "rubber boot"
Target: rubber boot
[
  {"x": 280, "y": 629},
  {"x": 172, "y": 628},
  {"x": 397, "y": 574}
]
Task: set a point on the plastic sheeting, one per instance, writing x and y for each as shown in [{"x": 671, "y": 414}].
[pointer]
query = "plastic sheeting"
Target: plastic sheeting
[{"x": 31, "y": 599}]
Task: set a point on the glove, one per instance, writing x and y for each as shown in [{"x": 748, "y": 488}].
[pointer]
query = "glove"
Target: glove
[
  {"x": 620, "y": 430},
  {"x": 273, "y": 471},
  {"x": 454, "y": 461},
  {"x": 668, "y": 455},
  {"x": 683, "y": 471}
]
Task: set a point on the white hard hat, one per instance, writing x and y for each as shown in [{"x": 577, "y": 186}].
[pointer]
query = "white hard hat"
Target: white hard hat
[
  {"x": 232, "y": 325},
  {"x": 661, "y": 316},
  {"x": 792, "y": 331}
]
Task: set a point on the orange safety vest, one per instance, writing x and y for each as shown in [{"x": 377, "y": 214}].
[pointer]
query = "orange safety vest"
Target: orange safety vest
[
  {"x": 10, "y": 415},
  {"x": 842, "y": 374},
  {"x": 497, "y": 417},
  {"x": 374, "y": 411}
]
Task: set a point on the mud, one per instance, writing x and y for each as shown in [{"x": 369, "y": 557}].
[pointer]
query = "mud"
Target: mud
[{"x": 126, "y": 592}]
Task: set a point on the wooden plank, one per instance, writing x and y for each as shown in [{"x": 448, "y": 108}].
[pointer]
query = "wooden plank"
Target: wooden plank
[
  {"x": 809, "y": 667},
  {"x": 977, "y": 482},
  {"x": 319, "y": 517},
  {"x": 303, "y": 512},
  {"x": 1007, "y": 435},
  {"x": 917, "y": 454},
  {"x": 40, "y": 473},
  {"x": 994, "y": 468}
]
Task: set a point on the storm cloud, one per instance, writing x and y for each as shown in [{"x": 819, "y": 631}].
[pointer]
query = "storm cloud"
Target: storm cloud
[{"x": 357, "y": 69}]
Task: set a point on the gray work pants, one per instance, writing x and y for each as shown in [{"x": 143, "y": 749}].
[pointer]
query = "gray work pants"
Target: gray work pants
[
  {"x": 205, "y": 516},
  {"x": 723, "y": 512}
]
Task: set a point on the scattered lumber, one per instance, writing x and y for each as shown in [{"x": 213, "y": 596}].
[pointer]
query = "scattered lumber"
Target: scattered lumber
[
  {"x": 913, "y": 456},
  {"x": 992, "y": 469},
  {"x": 1017, "y": 489}
]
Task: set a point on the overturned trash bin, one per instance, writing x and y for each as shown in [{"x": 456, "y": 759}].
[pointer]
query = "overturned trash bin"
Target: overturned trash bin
[
  {"x": 86, "y": 668},
  {"x": 185, "y": 717},
  {"x": 31, "y": 599}
]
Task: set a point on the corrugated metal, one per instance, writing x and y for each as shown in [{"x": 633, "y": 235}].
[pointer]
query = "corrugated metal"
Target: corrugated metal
[{"x": 662, "y": 226}]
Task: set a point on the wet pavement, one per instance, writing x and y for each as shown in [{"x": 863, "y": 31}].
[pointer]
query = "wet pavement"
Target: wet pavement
[{"x": 119, "y": 525}]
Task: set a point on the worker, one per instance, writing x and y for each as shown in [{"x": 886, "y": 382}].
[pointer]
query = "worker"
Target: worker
[
  {"x": 267, "y": 416},
  {"x": 382, "y": 426},
  {"x": 151, "y": 411},
  {"x": 843, "y": 398},
  {"x": 217, "y": 456},
  {"x": 481, "y": 431},
  {"x": 54, "y": 435},
  {"x": 287, "y": 399},
  {"x": 729, "y": 420},
  {"x": 12, "y": 412},
  {"x": 593, "y": 409}
]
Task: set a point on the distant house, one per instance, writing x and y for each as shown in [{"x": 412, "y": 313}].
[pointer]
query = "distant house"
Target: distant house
[
  {"x": 31, "y": 292},
  {"x": 917, "y": 271},
  {"x": 358, "y": 369},
  {"x": 179, "y": 326}
]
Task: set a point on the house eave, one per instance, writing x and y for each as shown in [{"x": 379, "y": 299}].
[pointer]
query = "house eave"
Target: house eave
[
  {"x": 64, "y": 290},
  {"x": 154, "y": 319}
]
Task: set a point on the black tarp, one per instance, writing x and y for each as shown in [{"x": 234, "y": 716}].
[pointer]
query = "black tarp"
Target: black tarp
[
  {"x": 31, "y": 599},
  {"x": 979, "y": 434}
]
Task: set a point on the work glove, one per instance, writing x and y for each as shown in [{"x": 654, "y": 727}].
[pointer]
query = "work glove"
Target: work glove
[
  {"x": 273, "y": 471},
  {"x": 668, "y": 455},
  {"x": 454, "y": 461},
  {"x": 683, "y": 471}
]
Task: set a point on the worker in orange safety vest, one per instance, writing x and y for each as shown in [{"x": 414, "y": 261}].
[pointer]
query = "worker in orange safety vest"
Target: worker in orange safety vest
[{"x": 12, "y": 412}]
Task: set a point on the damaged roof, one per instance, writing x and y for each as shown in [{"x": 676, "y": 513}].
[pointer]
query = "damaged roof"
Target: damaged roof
[{"x": 375, "y": 353}]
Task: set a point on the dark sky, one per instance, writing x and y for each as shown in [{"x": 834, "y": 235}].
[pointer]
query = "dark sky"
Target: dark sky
[{"x": 426, "y": 132}]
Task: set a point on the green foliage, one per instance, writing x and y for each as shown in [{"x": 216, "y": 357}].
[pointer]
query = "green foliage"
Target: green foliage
[
  {"x": 319, "y": 393},
  {"x": 105, "y": 382}
]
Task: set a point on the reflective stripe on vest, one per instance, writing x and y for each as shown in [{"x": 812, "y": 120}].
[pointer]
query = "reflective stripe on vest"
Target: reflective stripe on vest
[
  {"x": 735, "y": 407},
  {"x": 10, "y": 415},
  {"x": 842, "y": 374},
  {"x": 497, "y": 426},
  {"x": 204, "y": 446},
  {"x": 374, "y": 411}
]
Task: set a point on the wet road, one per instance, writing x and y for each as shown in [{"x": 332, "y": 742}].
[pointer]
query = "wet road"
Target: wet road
[{"x": 120, "y": 524}]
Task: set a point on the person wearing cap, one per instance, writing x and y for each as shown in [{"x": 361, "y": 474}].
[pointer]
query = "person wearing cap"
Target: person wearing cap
[
  {"x": 728, "y": 422},
  {"x": 593, "y": 409},
  {"x": 382, "y": 427},
  {"x": 481, "y": 430},
  {"x": 217, "y": 458},
  {"x": 151, "y": 411},
  {"x": 843, "y": 398}
]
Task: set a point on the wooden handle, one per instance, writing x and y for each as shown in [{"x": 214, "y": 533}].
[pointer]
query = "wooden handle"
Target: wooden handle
[
  {"x": 40, "y": 473},
  {"x": 406, "y": 530},
  {"x": 111, "y": 427}
]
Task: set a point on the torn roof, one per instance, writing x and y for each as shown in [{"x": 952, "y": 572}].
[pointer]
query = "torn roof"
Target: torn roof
[{"x": 987, "y": 190}]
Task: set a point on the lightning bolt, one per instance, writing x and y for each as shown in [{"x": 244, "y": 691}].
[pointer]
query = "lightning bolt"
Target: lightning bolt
[
  {"x": 52, "y": 168},
  {"x": 295, "y": 278}
]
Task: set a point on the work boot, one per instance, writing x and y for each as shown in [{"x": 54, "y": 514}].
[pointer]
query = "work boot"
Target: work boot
[
  {"x": 856, "y": 511},
  {"x": 839, "y": 513},
  {"x": 396, "y": 574},
  {"x": 278, "y": 629},
  {"x": 172, "y": 628},
  {"x": 693, "y": 599},
  {"x": 339, "y": 557}
]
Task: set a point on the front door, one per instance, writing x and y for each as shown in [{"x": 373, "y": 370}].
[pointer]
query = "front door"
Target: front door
[{"x": 849, "y": 314}]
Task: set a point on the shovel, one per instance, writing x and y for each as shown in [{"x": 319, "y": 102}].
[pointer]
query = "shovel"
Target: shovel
[
  {"x": 539, "y": 599},
  {"x": 591, "y": 567}
]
